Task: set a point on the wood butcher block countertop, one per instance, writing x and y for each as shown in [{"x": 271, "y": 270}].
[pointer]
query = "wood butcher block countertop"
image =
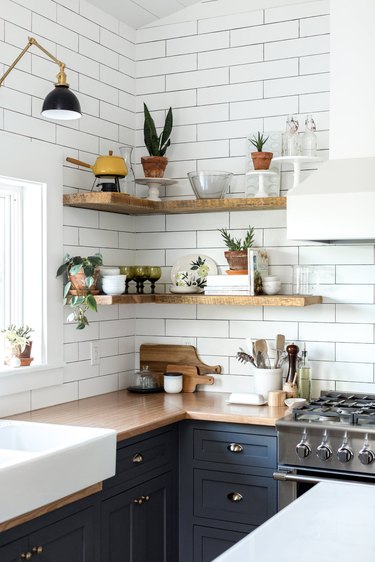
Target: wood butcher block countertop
[{"x": 133, "y": 414}]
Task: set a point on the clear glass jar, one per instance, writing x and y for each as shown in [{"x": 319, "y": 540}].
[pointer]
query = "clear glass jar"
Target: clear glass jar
[
  {"x": 128, "y": 182},
  {"x": 309, "y": 140},
  {"x": 291, "y": 142}
]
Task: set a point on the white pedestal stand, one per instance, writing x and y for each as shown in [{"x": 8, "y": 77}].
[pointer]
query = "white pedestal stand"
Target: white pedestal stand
[
  {"x": 261, "y": 175},
  {"x": 153, "y": 186},
  {"x": 297, "y": 162}
]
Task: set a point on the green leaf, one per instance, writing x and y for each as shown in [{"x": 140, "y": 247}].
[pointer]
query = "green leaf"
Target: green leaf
[
  {"x": 91, "y": 302},
  {"x": 70, "y": 318},
  {"x": 164, "y": 142},
  {"x": 149, "y": 131},
  {"x": 67, "y": 288},
  {"x": 89, "y": 281},
  {"x": 75, "y": 269},
  {"x": 62, "y": 269}
]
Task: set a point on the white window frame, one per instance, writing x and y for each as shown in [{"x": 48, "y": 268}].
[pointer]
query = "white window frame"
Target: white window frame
[{"x": 41, "y": 165}]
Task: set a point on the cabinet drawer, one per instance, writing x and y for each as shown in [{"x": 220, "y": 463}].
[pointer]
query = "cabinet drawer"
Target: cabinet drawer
[
  {"x": 236, "y": 498},
  {"x": 235, "y": 448},
  {"x": 142, "y": 457},
  {"x": 209, "y": 543}
]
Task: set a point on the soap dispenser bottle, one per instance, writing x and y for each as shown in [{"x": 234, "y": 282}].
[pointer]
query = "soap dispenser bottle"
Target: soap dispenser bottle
[{"x": 304, "y": 377}]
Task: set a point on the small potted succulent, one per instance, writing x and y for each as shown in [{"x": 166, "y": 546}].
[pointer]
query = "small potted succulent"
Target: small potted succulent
[
  {"x": 261, "y": 160},
  {"x": 19, "y": 344},
  {"x": 155, "y": 164},
  {"x": 236, "y": 255},
  {"x": 81, "y": 278}
]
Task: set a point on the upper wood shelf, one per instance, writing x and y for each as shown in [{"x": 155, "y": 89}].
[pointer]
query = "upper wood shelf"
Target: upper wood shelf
[
  {"x": 166, "y": 298},
  {"x": 127, "y": 205}
]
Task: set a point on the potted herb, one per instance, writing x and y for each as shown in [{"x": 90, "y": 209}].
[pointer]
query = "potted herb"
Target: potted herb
[
  {"x": 236, "y": 255},
  {"x": 155, "y": 164},
  {"x": 19, "y": 345},
  {"x": 82, "y": 275},
  {"x": 261, "y": 160}
]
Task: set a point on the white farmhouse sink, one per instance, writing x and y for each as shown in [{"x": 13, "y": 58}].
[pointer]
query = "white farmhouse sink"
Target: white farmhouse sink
[{"x": 41, "y": 463}]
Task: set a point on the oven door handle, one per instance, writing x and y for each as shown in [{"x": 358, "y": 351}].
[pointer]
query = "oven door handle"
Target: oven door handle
[{"x": 291, "y": 477}]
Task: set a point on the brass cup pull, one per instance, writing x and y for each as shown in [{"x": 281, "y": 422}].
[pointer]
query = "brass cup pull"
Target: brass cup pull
[
  {"x": 26, "y": 556},
  {"x": 37, "y": 550},
  {"x": 235, "y": 497},
  {"x": 235, "y": 448},
  {"x": 137, "y": 458},
  {"x": 141, "y": 500}
]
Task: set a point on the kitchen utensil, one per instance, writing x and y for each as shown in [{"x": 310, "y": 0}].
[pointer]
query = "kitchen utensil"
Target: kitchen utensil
[
  {"x": 190, "y": 377},
  {"x": 244, "y": 357},
  {"x": 261, "y": 354},
  {"x": 158, "y": 357},
  {"x": 279, "y": 346},
  {"x": 292, "y": 351},
  {"x": 210, "y": 185},
  {"x": 104, "y": 165}
]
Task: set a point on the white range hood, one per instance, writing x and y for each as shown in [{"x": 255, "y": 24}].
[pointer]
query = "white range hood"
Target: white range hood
[{"x": 337, "y": 202}]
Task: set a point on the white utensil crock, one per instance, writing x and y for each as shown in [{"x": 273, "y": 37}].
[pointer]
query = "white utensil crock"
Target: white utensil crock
[{"x": 266, "y": 380}]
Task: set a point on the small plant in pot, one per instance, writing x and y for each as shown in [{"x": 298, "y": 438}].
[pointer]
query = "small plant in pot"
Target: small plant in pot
[
  {"x": 19, "y": 344},
  {"x": 155, "y": 164},
  {"x": 80, "y": 287},
  {"x": 261, "y": 160},
  {"x": 236, "y": 255}
]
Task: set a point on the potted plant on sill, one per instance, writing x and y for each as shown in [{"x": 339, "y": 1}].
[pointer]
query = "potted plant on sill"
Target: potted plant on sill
[
  {"x": 236, "y": 255},
  {"x": 19, "y": 344},
  {"x": 80, "y": 288},
  {"x": 155, "y": 164},
  {"x": 261, "y": 160}
]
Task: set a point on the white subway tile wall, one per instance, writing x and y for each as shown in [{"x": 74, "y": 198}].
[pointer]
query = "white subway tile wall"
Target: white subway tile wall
[{"x": 225, "y": 77}]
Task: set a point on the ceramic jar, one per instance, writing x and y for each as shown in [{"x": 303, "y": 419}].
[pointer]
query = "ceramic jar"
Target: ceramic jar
[
  {"x": 173, "y": 382},
  {"x": 271, "y": 285}
]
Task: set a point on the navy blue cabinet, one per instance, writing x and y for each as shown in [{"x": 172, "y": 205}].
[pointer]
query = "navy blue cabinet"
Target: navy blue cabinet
[
  {"x": 226, "y": 485},
  {"x": 139, "y": 507},
  {"x": 67, "y": 534}
]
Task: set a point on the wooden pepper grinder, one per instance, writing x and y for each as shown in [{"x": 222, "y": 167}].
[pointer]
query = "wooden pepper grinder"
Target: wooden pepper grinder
[{"x": 290, "y": 385}]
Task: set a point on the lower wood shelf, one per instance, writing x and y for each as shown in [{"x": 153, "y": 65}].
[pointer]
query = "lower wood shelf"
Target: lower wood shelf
[{"x": 261, "y": 300}]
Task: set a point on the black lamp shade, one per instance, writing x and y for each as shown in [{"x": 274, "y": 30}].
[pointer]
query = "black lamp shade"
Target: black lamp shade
[{"x": 62, "y": 104}]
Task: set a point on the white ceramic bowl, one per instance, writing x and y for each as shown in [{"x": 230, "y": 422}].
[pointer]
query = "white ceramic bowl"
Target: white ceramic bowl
[
  {"x": 111, "y": 287},
  {"x": 210, "y": 184},
  {"x": 295, "y": 403},
  {"x": 109, "y": 270}
]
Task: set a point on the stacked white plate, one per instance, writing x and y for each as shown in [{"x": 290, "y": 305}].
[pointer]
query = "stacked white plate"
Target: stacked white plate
[{"x": 113, "y": 284}]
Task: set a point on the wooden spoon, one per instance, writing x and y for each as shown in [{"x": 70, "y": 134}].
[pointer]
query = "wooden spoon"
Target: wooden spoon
[
  {"x": 261, "y": 354},
  {"x": 280, "y": 345}
]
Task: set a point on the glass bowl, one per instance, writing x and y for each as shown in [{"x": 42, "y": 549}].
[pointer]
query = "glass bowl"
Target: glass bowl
[{"x": 209, "y": 184}]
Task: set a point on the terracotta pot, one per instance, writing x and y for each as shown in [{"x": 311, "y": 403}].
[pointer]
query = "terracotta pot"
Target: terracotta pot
[
  {"x": 261, "y": 160},
  {"x": 154, "y": 166},
  {"x": 26, "y": 353},
  {"x": 78, "y": 283},
  {"x": 236, "y": 259}
]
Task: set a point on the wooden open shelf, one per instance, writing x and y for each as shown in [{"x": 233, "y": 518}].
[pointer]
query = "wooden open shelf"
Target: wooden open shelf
[
  {"x": 127, "y": 205},
  {"x": 166, "y": 298}
]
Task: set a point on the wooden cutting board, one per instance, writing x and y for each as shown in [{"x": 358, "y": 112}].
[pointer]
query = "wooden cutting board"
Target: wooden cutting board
[
  {"x": 158, "y": 357},
  {"x": 190, "y": 376}
]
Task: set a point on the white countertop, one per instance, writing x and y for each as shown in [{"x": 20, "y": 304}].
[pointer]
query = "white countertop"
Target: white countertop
[{"x": 332, "y": 521}]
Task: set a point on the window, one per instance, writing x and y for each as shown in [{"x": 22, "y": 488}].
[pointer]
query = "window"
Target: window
[{"x": 30, "y": 252}]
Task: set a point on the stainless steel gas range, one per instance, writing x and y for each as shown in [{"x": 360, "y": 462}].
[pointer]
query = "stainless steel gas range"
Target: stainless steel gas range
[{"x": 332, "y": 437}]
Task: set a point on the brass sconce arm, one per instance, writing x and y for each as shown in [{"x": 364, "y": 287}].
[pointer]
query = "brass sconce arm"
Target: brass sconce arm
[{"x": 61, "y": 76}]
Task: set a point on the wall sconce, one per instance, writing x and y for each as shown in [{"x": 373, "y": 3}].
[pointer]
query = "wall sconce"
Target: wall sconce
[{"x": 61, "y": 103}]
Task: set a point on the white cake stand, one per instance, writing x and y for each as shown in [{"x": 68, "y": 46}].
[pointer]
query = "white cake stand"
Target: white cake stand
[
  {"x": 153, "y": 186},
  {"x": 261, "y": 175},
  {"x": 297, "y": 162}
]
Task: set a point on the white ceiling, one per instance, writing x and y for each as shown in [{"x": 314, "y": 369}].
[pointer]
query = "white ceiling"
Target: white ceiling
[{"x": 137, "y": 13}]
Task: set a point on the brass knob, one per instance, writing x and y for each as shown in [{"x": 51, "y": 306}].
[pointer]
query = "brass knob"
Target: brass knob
[
  {"x": 235, "y": 448},
  {"x": 26, "y": 555},
  {"x": 37, "y": 550},
  {"x": 141, "y": 500},
  {"x": 235, "y": 497},
  {"x": 137, "y": 458}
]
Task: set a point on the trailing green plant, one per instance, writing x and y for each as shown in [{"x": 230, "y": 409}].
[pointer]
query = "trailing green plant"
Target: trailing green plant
[
  {"x": 18, "y": 337},
  {"x": 236, "y": 244},
  {"x": 157, "y": 144},
  {"x": 83, "y": 300},
  {"x": 259, "y": 141}
]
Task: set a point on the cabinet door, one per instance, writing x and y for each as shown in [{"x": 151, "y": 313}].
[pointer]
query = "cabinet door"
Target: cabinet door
[
  {"x": 209, "y": 543},
  {"x": 140, "y": 525},
  {"x": 12, "y": 551},
  {"x": 70, "y": 539}
]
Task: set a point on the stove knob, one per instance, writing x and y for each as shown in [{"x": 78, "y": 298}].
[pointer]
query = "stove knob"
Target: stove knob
[
  {"x": 344, "y": 454},
  {"x": 324, "y": 452},
  {"x": 366, "y": 456},
  {"x": 303, "y": 449}
]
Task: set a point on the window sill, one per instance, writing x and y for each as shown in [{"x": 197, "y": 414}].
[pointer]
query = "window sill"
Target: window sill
[{"x": 21, "y": 379}]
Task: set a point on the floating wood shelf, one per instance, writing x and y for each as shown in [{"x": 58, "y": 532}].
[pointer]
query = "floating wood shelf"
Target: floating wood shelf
[
  {"x": 165, "y": 298},
  {"x": 127, "y": 205}
]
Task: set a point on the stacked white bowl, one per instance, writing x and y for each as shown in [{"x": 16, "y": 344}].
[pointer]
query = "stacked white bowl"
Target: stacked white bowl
[
  {"x": 113, "y": 284},
  {"x": 106, "y": 270}
]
